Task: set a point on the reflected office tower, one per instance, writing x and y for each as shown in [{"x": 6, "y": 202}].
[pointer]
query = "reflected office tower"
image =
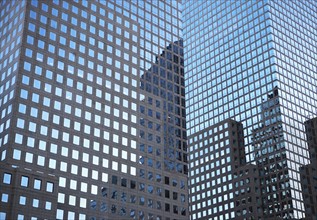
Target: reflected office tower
[
  {"x": 271, "y": 160},
  {"x": 163, "y": 131},
  {"x": 309, "y": 171},
  {"x": 236, "y": 53},
  {"x": 92, "y": 110}
]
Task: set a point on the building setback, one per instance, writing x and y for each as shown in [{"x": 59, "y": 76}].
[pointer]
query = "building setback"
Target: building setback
[
  {"x": 253, "y": 62},
  {"x": 92, "y": 110}
]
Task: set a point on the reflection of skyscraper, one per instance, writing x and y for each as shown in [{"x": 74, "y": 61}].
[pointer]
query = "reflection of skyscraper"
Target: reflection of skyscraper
[
  {"x": 163, "y": 132},
  {"x": 237, "y": 52},
  {"x": 309, "y": 171},
  {"x": 79, "y": 138},
  {"x": 270, "y": 157},
  {"x": 168, "y": 87}
]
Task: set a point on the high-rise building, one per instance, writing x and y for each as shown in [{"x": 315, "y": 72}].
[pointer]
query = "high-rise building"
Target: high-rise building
[
  {"x": 253, "y": 62},
  {"x": 92, "y": 110}
]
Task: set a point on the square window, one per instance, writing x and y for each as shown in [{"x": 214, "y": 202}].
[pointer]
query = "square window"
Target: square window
[
  {"x": 4, "y": 197},
  {"x": 49, "y": 187},
  {"x": 37, "y": 184},
  {"x": 2, "y": 215},
  {"x": 48, "y": 205},
  {"x": 22, "y": 200},
  {"x": 24, "y": 181},
  {"x": 7, "y": 178},
  {"x": 35, "y": 203}
]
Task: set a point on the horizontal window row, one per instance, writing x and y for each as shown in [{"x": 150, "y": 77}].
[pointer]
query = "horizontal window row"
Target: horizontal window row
[
  {"x": 75, "y": 70},
  {"x": 26, "y": 181},
  {"x": 75, "y": 169},
  {"x": 35, "y": 203},
  {"x": 79, "y": 13}
]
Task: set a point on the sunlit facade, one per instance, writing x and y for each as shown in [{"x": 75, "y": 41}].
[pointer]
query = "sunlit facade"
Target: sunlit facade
[
  {"x": 237, "y": 53},
  {"x": 92, "y": 110}
]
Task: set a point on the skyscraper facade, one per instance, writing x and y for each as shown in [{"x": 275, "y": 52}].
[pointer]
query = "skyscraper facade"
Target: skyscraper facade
[
  {"x": 92, "y": 110},
  {"x": 254, "y": 62}
]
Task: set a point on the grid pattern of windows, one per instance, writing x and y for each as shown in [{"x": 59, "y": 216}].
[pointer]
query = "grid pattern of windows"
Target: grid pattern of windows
[
  {"x": 236, "y": 54},
  {"x": 295, "y": 49},
  {"x": 163, "y": 112},
  {"x": 214, "y": 169},
  {"x": 11, "y": 27},
  {"x": 308, "y": 172},
  {"x": 84, "y": 115},
  {"x": 20, "y": 188},
  {"x": 163, "y": 158},
  {"x": 83, "y": 82},
  {"x": 270, "y": 154},
  {"x": 247, "y": 195},
  {"x": 228, "y": 65}
]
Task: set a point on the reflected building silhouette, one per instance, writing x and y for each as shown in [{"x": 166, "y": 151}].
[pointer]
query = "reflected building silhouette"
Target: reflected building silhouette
[
  {"x": 270, "y": 157},
  {"x": 309, "y": 171},
  {"x": 163, "y": 129}
]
